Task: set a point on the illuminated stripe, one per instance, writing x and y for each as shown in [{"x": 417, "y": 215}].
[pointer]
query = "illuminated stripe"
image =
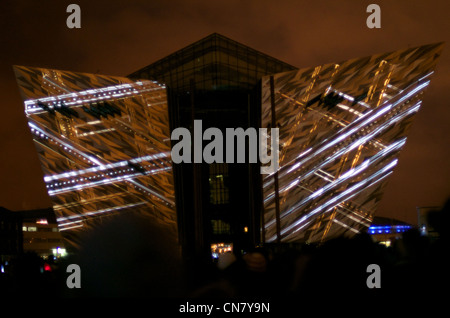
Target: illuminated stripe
[
  {"x": 68, "y": 146},
  {"x": 69, "y": 227},
  {"x": 156, "y": 194},
  {"x": 80, "y": 97},
  {"x": 91, "y": 213},
  {"x": 104, "y": 181},
  {"x": 345, "y": 226},
  {"x": 100, "y": 199},
  {"x": 103, "y": 167},
  {"x": 102, "y": 131}
]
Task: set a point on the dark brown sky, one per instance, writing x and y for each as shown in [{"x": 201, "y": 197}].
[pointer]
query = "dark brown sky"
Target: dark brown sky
[{"x": 119, "y": 37}]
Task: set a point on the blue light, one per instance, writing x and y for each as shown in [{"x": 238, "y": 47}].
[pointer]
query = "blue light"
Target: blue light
[{"x": 374, "y": 229}]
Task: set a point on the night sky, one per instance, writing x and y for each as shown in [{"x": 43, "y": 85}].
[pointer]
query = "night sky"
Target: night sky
[{"x": 120, "y": 37}]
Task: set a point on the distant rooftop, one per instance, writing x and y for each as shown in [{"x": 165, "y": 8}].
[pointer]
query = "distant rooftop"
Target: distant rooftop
[
  {"x": 379, "y": 220},
  {"x": 47, "y": 213}
]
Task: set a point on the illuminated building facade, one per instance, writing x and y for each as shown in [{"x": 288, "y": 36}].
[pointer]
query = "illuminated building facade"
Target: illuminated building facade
[
  {"x": 104, "y": 146},
  {"x": 104, "y": 142},
  {"x": 215, "y": 80},
  {"x": 342, "y": 127},
  {"x": 41, "y": 233}
]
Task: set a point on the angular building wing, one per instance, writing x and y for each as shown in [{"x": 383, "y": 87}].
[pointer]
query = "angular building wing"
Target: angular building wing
[
  {"x": 341, "y": 129},
  {"x": 104, "y": 146}
]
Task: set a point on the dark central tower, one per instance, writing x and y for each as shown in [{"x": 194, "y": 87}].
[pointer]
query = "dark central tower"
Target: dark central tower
[{"x": 215, "y": 80}]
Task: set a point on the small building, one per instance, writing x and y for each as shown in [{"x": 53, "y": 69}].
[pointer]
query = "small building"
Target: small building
[
  {"x": 41, "y": 234},
  {"x": 10, "y": 233},
  {"x": 386, "y": 230},
  {"x": 423, "y": 215}
]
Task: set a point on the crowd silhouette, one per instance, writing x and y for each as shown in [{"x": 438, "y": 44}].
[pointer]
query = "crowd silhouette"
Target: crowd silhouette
[{"x": 126, "y": 259}]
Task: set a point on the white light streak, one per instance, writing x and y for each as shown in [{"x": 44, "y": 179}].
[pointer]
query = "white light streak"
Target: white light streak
[
  {"x": 127, "y": 177},
  {"x": 94, "y": 160},
  {"x": 102, "y": 131},
  {"x": 85, "y": 96},
  {"x": 156, "y": 194},
  {"x": 103, "y": 167},
  {"x": 350, "y": 110},
  {"x": 92, "y": 213},
  {"x": 70, "y": 227},
  {"x": 345, "y": 226}
]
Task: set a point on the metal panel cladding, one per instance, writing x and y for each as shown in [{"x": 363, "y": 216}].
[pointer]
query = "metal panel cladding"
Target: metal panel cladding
[
  {"x": 104, "y": 146},
  {"x": 341, "y": 129}
]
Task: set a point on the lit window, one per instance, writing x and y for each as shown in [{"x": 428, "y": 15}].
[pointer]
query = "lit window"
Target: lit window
[
  {"x": 41, "y": 221},
  {"x": 220, "y": 248},
  {"x": 59, "y": 252},
  {"x": 218, "y": 189},
  {"x": 24, "y": 228},
  {"x": 32, "y": 229},
  {"x": 220, "y": 227}
]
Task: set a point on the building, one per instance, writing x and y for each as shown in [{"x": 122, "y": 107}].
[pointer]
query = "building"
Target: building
[
  {"x": 215, "y": 80},
  {"x": 31, "y": 231},
  {"x": 41, "y": 234},
  {"x": 423, "y": 221},
  {"x": 104, "y": 142},
  {"x": 386, "y": 231},
  {"x": 10, "y": 234}
]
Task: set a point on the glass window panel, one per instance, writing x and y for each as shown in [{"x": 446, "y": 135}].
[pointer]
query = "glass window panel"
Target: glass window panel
[
  {"x": 220, "y": 227},
  {"x": 218, "y": 183}
]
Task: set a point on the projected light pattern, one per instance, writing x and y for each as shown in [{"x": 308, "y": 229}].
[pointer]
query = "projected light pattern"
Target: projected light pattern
[
  {"x": 341, "y": 128},
  {"x": 103, "y": 143}
]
